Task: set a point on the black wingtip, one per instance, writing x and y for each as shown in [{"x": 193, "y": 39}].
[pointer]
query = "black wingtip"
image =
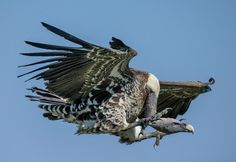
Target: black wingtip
[
  {"x": 115, "y": 39},
  {"x": 25, "y": 54},
  {"x": 31, "y": 43},
  {"x": 28, "y": 42},
  {"x": 22, "y": 54},
  {"x": 20, "y": 66},
  {"x": 211, "y": 81},
  {"x": 46, "y": 25},
  {"x": 19, "y": 76},
  {"x": 67, "y": 35},
  {"x": 118, "y": 44}
]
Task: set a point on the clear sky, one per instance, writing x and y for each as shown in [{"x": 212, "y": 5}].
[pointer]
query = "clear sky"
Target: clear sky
[{"x": 176, "y": 40}]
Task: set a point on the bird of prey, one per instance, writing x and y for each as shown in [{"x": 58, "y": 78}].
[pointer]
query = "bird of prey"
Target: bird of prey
[{"x": 94, "y": 88}]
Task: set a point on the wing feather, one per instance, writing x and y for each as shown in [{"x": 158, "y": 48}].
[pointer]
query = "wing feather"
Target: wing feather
[
  {"x": 68, "y": 36},
  {"x": 50, "y": 47},
  {"x": 72, "y": 72},
  {"x": 179, "y": 95}
]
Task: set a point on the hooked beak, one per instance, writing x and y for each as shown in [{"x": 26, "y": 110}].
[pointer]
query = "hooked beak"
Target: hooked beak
[{"x": 190, "y": 128}]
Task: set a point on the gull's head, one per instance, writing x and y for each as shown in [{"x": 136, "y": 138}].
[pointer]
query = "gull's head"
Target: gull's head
[{"x": 170, "y": 126}]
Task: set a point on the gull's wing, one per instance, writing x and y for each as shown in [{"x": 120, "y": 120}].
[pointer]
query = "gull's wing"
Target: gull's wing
[
  {"x": 179, "y": 95},
  {"x": 71, "y": 72}
]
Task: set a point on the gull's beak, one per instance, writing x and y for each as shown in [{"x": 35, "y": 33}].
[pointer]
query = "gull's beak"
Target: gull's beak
[{"x": 190, "y": 128}]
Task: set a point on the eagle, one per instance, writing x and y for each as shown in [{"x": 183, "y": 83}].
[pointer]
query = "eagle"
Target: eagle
[{"x": 94, "y": 87}]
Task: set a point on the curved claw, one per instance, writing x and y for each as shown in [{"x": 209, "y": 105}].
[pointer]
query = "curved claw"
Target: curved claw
[
  {"x": 154, "y": 146},
  {"x": 166, "y": 110},
  {"x": 163, "y": 112},
  {"x": 157, "y": 142}
]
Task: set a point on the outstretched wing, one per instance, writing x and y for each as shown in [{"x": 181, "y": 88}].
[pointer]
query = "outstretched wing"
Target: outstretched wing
[
  {"x": 179, "y": 95},
  {"x": 71, "y": 72}
]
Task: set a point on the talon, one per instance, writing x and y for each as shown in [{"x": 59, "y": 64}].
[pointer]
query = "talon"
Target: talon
[
  {"x": 163, "y": 112},
  {"x": 154, "y": 146},
  {"x": 157, "y": 142}
]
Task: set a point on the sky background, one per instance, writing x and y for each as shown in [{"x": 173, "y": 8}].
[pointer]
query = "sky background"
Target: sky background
[{"x": 180, "y": 40}]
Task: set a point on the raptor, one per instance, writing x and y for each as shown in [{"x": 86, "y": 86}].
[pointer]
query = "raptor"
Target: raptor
[{"x": 94, "y": 88}]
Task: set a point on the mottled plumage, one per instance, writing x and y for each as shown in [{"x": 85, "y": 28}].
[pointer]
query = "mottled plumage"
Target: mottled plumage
[
  {"x": 94, "y": 87},
  {"x": 90, "y": 84}
]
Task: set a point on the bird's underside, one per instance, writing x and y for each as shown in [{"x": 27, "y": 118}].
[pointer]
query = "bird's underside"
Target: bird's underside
[{"x": 94, "y": 88}]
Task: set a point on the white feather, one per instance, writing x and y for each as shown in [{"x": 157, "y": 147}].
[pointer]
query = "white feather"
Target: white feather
[{"x": 153, "y": 84}]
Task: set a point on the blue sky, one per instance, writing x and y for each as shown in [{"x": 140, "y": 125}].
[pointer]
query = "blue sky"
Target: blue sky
[{"x": 176, "y": 40}]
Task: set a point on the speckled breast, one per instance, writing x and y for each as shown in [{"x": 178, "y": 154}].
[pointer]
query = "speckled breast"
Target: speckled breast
[{"x": 135, "y": 95}]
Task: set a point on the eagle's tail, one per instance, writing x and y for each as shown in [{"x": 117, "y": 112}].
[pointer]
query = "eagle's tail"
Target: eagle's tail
[{"x": 56, "y": 107}]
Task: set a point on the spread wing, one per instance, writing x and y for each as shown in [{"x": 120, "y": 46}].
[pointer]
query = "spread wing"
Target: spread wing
[
  {"x": 71, "y": 72},
  {"x": 179, "y": 95}
]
